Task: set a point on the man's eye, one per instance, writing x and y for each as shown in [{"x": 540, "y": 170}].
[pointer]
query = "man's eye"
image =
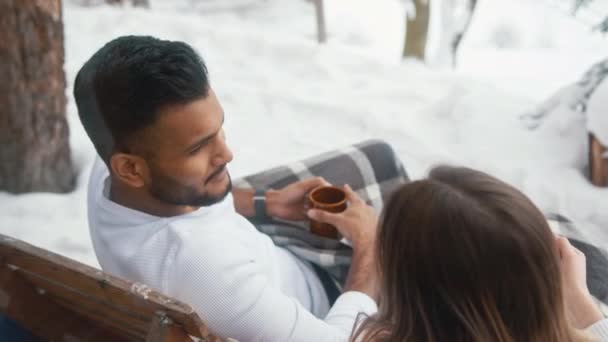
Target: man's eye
[{"x": 196, "y": 149}]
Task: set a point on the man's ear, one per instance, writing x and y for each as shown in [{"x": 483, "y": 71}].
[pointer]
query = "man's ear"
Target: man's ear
[{"x": 130, "y": 169}]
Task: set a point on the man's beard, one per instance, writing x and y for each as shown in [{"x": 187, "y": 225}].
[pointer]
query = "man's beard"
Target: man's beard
[{"x": 169, "y": 190}]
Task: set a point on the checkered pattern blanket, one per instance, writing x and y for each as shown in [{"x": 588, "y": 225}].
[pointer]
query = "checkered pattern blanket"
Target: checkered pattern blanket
[{"x": 372, "y": 169}]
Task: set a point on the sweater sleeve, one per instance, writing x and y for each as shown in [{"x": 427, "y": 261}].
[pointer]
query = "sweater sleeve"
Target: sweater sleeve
[
  {"x": 599, "y": 330},
  {"x": 235, "y": 298}
]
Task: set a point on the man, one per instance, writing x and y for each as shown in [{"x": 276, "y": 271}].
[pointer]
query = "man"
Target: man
[{"x": 162, "y": 211}]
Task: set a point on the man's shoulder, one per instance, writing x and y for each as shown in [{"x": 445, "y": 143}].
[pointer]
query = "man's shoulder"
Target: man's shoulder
[
  {"x": 194, "y": 234},
  {"x": 191, "y": 225},
  {"x": 215, "y": 241}
]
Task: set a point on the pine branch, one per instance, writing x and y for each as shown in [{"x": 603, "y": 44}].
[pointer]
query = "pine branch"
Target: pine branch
[
  {"x": 578, "y": 4},
  {"x": 603, "y": 26}
]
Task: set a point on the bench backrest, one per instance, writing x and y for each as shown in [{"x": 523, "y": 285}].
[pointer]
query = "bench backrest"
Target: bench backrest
[{"x": 61, "y": 299}]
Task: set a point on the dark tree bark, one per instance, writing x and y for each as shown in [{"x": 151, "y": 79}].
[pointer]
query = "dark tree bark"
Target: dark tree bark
[
  {"x": 139, "y": 3},
  {"x": 598, "y": 162},
  {"x": 320, "y": 15},
  {"x": 34, "y": 146},
  {"x": 416, "y": 30}
]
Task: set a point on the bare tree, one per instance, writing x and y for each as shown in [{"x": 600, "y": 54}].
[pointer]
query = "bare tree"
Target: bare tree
[
  {"x": 579, "y": 5},
  {"x": 34, "y": 146},
  {"x": 140, "y": 3},
  {"x": 90, "y": 3},
  {"x": 455, "y": 18},
  {"x": 472, "y": 4},
  {"x": 320, "y": 15},
  {"x": 416, "y": 30}
]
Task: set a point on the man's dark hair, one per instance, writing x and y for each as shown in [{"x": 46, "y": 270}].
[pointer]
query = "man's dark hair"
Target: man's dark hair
[{"x": 123, "y": 87}]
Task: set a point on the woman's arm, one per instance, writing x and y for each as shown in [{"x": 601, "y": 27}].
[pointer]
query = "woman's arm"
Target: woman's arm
[{"x": 581, "y": 309}]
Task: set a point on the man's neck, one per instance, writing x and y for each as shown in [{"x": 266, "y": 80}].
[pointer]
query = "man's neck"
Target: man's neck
[{"x": 140, "y": 200}]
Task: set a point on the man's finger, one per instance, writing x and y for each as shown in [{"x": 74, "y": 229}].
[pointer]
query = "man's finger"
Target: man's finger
[
  {"x": 323, "y": 181},
  {"x": 315, "y": 182}
]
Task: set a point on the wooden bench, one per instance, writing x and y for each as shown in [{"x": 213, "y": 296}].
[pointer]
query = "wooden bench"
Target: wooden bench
[
  {"x": 598, "y": 162},
  {"x": 59, "y": 299}
]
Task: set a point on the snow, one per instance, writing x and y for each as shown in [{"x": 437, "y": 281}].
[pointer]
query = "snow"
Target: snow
[{"x": 287, "y": 98}]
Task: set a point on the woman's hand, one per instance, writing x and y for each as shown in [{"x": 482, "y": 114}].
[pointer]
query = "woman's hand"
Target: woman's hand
[
  {"x": 358, "y": 223},
  {"x": 580, "y": 308}
]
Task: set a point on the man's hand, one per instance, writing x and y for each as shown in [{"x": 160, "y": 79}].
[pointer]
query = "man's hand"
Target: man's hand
[
  {"x": 291, "y": 202},
  {"x": 580, "y": 308}
]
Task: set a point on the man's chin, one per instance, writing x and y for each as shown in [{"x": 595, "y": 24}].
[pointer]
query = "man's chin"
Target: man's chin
[
  {"x": 193, "y": 198},
  {"x": 212, "y": 199},
  {"x": 217, "y": 199}
]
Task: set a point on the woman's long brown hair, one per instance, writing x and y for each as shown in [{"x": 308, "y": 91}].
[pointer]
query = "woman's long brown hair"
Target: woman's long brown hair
[{"x": 465, "y": 257}]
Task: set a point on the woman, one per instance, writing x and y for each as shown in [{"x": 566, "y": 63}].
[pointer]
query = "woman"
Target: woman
[{"x": 463, "y": 256}]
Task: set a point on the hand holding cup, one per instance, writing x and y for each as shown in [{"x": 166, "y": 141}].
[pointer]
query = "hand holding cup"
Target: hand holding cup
[
  {"x": 330, "y": 199},
  {"x": 357, "y": 222}
]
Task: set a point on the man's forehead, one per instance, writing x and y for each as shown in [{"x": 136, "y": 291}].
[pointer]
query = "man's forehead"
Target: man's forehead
[{"x": 196, "y": 119}]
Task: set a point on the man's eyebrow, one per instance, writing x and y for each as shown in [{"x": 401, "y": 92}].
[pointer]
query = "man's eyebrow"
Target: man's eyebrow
[{"x": 207, "y": 138}]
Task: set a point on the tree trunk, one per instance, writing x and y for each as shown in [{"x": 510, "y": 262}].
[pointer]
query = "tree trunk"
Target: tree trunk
[
  {"x": 320, "y": 15},
  {"x": 34, "y": 146},
  {"x": 137, "y": 3},
  {"x": 598, "y": 162},
  {"x": 416, "y": 30}
]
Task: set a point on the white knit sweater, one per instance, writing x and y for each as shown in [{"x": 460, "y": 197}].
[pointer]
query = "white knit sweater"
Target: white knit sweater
[
  {"x": 599, "y": 330},
  {"x": 239, "y": 282}
]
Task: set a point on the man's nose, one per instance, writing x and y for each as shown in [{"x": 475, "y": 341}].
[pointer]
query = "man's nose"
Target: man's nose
[{"x": 223, "y": 153}]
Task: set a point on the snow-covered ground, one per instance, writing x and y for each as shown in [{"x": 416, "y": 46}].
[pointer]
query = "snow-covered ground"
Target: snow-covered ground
[{"x": 287, "y": 97}]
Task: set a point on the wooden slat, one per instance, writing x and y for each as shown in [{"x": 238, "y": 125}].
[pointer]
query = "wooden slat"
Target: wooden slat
[
  {"x": 112, "y": 290},
  {"x": 23, "y": 306},
  {"x": 598, "y": 164},
  {"x": 43, "y": 317},
  {"x": 109, "y": 323},
  {"x": 91, "y": 307},
  {"x": 162, "y": 331},
  {"x": 86, "y": 331}
]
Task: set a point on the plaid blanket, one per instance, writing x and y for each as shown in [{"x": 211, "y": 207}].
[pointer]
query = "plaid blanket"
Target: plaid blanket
[
  {"x": 373, "y": 170},
  {"x": 370, "y": 168}
]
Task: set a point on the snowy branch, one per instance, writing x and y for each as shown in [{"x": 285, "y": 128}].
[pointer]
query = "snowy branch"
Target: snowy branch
[{"x": 578, "y": 5}]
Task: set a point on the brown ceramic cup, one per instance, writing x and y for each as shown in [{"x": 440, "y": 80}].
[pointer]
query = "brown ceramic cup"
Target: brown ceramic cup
[{"x": 327, "y": 198}]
